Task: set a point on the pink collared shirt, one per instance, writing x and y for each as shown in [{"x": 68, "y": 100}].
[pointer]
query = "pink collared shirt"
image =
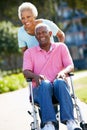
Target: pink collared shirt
[{"x": 47, "y": 63}]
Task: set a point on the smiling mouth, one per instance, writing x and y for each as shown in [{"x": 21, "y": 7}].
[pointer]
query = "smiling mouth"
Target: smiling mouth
[
  {"x": 42, "y": 39},
  {"x": 27, "y": 24}
]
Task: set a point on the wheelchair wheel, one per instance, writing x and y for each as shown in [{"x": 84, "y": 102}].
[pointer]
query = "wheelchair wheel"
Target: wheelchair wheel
[
  {"x": 33, "y": 126},
  {"x": 83, "y": 126},
  {"x": 56, "y": 125}
]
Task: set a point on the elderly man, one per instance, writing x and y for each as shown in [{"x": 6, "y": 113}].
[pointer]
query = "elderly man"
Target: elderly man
[{"x": 48, "y": 65}]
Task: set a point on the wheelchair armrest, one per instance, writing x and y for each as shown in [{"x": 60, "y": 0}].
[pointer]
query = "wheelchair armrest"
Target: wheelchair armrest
[
  {"x": 70, "y": 74},
  {"x": 29, "y": 79}
]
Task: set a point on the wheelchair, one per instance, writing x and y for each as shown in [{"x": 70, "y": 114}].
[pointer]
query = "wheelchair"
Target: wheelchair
[{"x": 36, "y": 123}]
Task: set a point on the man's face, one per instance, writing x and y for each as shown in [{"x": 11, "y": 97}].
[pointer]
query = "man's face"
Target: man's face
[{"x": 43, "y": 36}]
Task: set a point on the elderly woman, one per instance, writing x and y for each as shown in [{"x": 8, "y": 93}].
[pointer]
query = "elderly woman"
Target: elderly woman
[{"x": 28, "y": 13}]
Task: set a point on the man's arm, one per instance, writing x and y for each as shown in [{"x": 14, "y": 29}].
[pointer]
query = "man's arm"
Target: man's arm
[
  {"x": 67, "y": 62},
  {"x": 33, "y": 76},
  {"x": 64, "y": 72},
  {"x": 27, "y": 67}
]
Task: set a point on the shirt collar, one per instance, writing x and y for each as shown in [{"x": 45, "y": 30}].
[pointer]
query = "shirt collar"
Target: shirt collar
[{"x": 51, "y": 47}]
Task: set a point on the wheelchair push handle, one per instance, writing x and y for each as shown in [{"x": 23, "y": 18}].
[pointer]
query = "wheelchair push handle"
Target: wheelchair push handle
[
  {"x": 70, "y": 74},
  {"x": 28, "y": 79}
]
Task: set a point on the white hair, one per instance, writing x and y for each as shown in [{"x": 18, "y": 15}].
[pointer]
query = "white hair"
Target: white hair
[
  {"x": 27, "y": 6},
  {"x": 42, "y": 25}
]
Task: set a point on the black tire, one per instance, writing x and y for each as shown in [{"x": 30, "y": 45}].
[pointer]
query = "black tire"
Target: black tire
[
  {"x": 56, "y": 125},
  {"x": 83, "y": 126}
]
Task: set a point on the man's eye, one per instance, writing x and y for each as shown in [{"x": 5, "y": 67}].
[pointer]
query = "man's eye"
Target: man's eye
[{"x": 44, "y": 32}]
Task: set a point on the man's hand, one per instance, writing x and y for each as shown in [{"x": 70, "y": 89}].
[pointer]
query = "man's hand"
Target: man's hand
[
  {"x": 38, "y": 79},
  {"x": 62, "y": 75}
]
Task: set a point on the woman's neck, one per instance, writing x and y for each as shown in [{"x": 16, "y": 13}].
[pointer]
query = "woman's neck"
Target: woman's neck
[{"x": 31, "y": 29}]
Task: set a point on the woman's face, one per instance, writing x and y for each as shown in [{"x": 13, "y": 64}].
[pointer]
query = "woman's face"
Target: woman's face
[{"x": 27, "y": 18}]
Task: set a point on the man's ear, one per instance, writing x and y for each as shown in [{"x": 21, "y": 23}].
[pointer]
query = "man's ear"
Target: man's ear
[{"x": 50, "y": 32}]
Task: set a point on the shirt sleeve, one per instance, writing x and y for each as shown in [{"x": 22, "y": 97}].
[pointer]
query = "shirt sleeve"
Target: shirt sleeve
[
  {"x": 27, "y": 61},
  {"x": 21, "y": 41},
  {"x": 67, "y": 59},
  {"x": 54, "y": 28}
]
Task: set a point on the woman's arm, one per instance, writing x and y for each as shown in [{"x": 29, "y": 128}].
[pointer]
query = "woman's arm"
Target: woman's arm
[
  {"x": 23, "y": 49},
  {"x": 56, "y": 31},
  {"x": 61, "y": 36}
]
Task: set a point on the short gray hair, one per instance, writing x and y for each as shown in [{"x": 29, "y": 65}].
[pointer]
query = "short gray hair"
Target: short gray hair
[
  {"x": 27, "y": 6},
  {"x": 42, "y": 25}
]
